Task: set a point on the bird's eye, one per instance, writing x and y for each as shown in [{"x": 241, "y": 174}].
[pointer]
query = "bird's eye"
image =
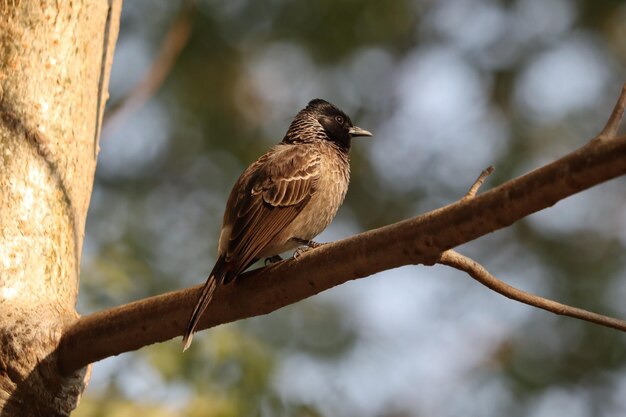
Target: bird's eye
[{"x": 339, "y": 120}]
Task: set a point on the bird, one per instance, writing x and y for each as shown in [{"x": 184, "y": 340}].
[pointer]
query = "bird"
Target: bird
[{"x": 283, "y": 199}]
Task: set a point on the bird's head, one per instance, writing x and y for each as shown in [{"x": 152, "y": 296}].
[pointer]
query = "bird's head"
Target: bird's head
[{"x": 323, "y": 120}]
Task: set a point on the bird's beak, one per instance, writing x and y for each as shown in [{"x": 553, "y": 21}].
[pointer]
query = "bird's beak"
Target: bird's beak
[{"x": 357, "y": 131}]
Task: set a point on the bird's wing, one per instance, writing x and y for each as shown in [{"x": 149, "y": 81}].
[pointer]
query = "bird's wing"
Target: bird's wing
[{"x": 271, "y": 193}]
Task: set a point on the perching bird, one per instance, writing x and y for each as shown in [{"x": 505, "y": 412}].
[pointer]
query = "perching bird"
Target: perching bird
[{"x": 285, "y": 198}]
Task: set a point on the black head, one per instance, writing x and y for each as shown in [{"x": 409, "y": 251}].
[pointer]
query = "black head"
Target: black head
[{"x": 322, "y": 120}]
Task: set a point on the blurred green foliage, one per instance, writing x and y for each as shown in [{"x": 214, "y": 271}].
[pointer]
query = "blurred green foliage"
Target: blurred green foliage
[{"x": 447, "y": 87}]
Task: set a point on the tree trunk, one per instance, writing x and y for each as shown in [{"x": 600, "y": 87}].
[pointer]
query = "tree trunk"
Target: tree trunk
[{"x": 55, "y": 58}]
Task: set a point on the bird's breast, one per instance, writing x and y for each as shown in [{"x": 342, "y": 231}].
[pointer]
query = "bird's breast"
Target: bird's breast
[{"x": 323, "y": 206}]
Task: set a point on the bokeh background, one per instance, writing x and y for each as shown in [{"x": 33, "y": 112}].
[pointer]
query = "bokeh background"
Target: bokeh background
[{"x": 448, "y": 87}]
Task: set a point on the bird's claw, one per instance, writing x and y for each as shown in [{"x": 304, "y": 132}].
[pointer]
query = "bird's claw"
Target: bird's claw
[
  {"x": 272, "y": 260},
  {"x": 307, "y": 245},
  {"x": 300, "y": 251}
]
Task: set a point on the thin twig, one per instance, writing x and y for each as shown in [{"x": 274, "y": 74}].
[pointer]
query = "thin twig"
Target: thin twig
[
  {"x": 612, "y": 125},
  {"x": 480, "y": 274},
  {"x": 471, "y": 193},
  {"x": 173, "y": 43}
]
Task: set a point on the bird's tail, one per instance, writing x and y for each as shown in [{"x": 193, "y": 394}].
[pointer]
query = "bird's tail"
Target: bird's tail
[{"x": 217, "y": 275}]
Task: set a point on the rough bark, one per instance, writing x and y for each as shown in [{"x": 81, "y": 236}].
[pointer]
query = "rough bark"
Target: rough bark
[{"x": 54, "y": 67}]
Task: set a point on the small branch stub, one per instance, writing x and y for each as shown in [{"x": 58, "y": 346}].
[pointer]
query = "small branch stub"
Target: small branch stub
[
  {"x": 479, "y": 182},
  {"x": 615, "y": 119}
]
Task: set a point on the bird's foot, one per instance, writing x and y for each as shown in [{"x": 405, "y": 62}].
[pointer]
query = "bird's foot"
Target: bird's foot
[
  {"x": 306, "y": 246},
  {"x": 272, "y": 260}
]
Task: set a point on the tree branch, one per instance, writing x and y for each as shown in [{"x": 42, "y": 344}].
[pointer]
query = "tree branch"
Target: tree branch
[
  {"x": 173, "y": 43},
  {"x": 463, "y": 263},
  {"x": 418, "y": 240},
  {"x": 480, "y": 274}
]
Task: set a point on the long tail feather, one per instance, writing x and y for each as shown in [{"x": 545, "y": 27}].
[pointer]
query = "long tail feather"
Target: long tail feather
[{"x": 217, "y": 275}]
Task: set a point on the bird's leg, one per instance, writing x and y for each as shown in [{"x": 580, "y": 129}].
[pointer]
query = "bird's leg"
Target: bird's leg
[
  {"x": 272, "y": 260},
  {"x": 306, "y": 245}
]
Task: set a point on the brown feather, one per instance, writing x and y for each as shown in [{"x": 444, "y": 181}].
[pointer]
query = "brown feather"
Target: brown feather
[{"x": 277, "y": 187}]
